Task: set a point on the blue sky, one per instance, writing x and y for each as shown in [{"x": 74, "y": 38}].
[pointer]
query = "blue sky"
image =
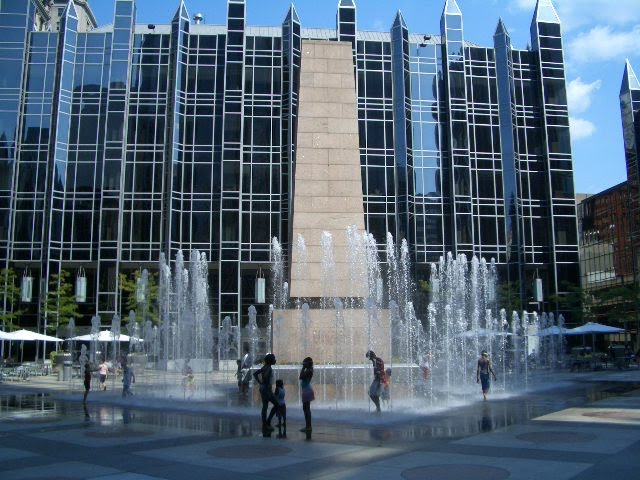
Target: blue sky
[{"x": 598, "y": 36}]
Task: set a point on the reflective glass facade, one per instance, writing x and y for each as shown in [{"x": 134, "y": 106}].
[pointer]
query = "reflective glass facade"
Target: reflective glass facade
[
  {"x": 630, "y": 112},
  {"x": 132, "y": 140}
]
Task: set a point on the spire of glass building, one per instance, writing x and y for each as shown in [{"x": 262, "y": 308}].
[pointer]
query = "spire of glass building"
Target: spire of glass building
[
  {"x": 629, "y": 79},
  {"x": 451, "y": 8},
  {"x": 545, "y": 12},
  {"x": 501, "y": 29}
]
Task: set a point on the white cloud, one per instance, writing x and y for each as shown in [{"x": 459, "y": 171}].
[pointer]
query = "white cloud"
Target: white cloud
[
  {"x": 525, "y": 4},
  {"x": 602, "y": 43},
  {"x": 579, "y": 13},
  {"x": 579, "y": 94},
  {"x": 581, "y": 128}
]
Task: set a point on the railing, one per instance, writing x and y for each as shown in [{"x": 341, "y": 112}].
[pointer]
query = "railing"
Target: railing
[{"x": 24, "y": 372}]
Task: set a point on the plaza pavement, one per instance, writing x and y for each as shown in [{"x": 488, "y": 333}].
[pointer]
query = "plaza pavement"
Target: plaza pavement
[{"x": 585, "y": 426}]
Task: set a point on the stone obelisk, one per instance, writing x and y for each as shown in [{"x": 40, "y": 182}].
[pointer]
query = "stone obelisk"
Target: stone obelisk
[{"x": 328, "y": 198}]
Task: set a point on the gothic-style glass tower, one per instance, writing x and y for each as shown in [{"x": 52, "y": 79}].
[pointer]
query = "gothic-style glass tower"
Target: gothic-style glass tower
[{"x": 130, "y": 140}]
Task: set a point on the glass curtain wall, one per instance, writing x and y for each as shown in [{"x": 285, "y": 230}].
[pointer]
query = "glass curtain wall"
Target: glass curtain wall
[{"x": 142, "y": 139}]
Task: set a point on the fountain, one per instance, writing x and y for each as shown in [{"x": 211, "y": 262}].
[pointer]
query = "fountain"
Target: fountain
[
  {"x": 462, "y": 320},
  {"x": 95, "y": 330},
  {"x": 185, "y": 316},
  {"x": 356, "y": 303}
]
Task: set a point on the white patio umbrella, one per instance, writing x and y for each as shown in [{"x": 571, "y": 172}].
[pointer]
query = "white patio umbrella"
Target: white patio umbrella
[
  {"x": 103, "y": 336},
  {"x": 29, "y": 336},
  {"x": 5, "y": 335}
]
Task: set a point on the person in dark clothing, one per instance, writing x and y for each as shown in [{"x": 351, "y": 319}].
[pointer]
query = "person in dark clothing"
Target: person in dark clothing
[
  {"x": 264, "y": 377},
  {"x": 87, "y": 381},
  {"x": 281, "y": 410},
  {"x": 379, "y": 379},
  {"x": 306, "y": 392}
]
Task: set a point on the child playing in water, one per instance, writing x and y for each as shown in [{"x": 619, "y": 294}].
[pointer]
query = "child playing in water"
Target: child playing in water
[{"x": 280, "y": 410}]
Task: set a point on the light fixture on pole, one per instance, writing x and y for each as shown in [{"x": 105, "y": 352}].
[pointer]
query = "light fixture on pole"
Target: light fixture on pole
[
  {"x": 537, "y": 290},
  {"x": 81, "y": 286},
  {"x": 260, "y": 287},
  {"x": 26, "y": 291}
]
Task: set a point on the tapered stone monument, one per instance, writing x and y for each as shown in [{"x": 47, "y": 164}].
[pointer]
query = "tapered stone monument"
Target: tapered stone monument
[{"x": 328, "y": 198}]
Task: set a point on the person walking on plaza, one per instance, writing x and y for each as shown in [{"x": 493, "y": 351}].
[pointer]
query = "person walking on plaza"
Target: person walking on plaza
[
  {"x": 483, "y": 373},
  {"x": 103, "y": 370},
  {"x": 264, "y": 377},
  {"x": 306, "y": 392},
  {"x": 379, "y": 379},
  {"x": 87, "y": 381},
  {"x": 128, "y": 377}
]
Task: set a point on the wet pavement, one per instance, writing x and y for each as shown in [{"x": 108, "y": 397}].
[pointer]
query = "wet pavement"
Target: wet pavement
[{"x": 579, "y": 426}]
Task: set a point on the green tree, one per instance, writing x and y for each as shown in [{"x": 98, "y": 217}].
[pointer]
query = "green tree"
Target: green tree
[
  {"x": 617, "y": 304},
  {"x": 60, "y": 302},
  {"x": 422, "y": 297},
  {"x": 129, "y": 296},
  {"x": 10, "y": 298},
  {"x": 508, "y": 294},
  {"x": 576, "y": 302}
]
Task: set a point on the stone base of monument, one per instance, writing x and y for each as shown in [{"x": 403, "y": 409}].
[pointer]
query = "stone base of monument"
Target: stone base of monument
[{"x": 327, "y": 340}]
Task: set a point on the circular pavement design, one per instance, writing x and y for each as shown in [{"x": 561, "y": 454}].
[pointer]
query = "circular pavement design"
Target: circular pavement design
[
  {"x": 455, "y": 472},
  {"x": 49, "y": 477},
  {"x": 120, "y": 433},
  {"x": 35, "y": 419},
  {"x": 615, "y": 414},
  {"x": 556, "y": 437},
  {"x": 248, "y": 451}
]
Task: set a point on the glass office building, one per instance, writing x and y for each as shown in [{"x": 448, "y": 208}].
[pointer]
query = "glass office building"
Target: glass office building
[
  {"x": 132, "y": 140},
  {"x": 630, "y": 112}
]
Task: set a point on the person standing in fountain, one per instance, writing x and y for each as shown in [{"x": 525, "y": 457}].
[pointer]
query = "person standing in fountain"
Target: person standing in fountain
[
  {"x": 264, "y": 377},
  {"x": 87, "y": 381},
  {"x": 281, "y": 410},
  {"x": 307, "y": 393},
  {"x": 103, "y": 370},
  {"x": 482, "y": 374},
  {"x": 128, "y": 377},
  {"x": 244, "y": 375},
  {"x": 379, "y": 379},
  {"x": 188, "y": 380}
]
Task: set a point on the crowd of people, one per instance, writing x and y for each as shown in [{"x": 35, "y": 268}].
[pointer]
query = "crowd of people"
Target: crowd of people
[
  {"x": 379, "y": 390},
  {"x": 276, "y": 398},
  {"x": 103, "y": 370}
]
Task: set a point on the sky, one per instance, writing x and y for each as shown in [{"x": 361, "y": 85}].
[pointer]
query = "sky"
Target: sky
[{"x": 598, "y": 36}]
